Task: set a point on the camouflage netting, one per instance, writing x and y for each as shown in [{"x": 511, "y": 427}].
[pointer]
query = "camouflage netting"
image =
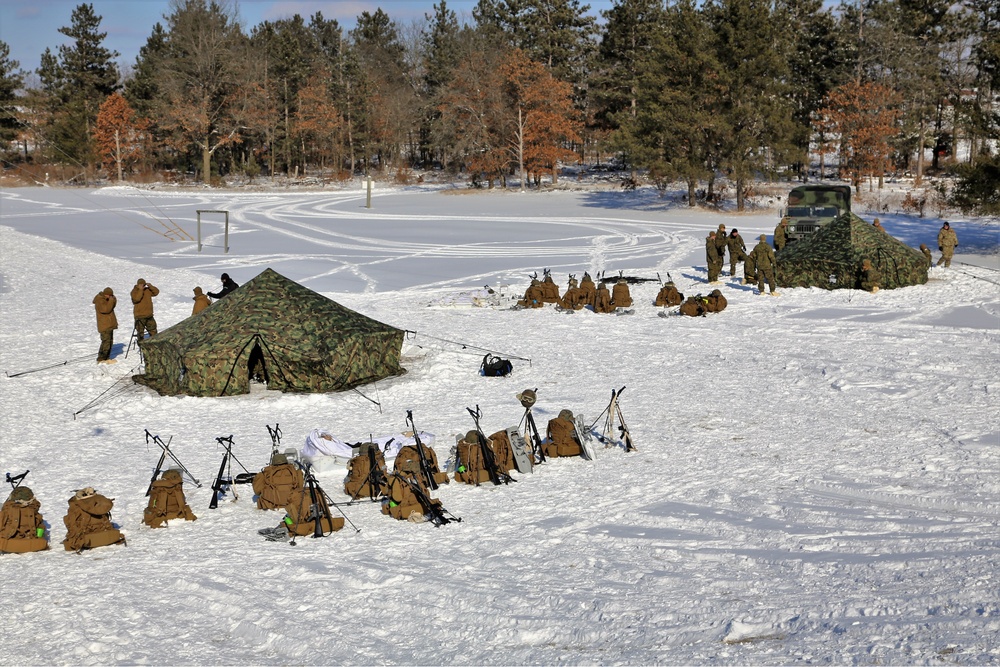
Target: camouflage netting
[
  {"x": 304, "y": 342},
  {"x": 838, "y": 248}
]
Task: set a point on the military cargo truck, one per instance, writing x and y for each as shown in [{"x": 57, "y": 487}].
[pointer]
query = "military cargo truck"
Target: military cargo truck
[{"x": 812, "y": 206}]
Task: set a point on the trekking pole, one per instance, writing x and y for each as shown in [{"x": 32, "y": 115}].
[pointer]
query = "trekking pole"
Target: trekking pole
[
  {"x": 15, "y": 480},
  {"x": 74, "y": 360}
]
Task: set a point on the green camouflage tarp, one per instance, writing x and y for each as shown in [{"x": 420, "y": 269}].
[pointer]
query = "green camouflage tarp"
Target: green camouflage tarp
[
  {"x": 307, "y": 342},
  {"x": 831, "y": 258}
]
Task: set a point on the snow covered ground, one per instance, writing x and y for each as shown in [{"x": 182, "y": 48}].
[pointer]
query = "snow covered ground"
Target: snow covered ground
[{"x": 816, "y": 481}]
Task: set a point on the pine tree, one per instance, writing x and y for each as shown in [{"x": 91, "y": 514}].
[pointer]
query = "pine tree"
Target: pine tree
[
  {"x": 626, "y": 55},
  {"x": 678, "y": 124},
  {"x": 388, "y": 106},
  {"x": 11, "y": 79},
  {"x": 818, "y": 57},
  {"x": 85, "y": 76},
  {"x": 754, "y": 109}
]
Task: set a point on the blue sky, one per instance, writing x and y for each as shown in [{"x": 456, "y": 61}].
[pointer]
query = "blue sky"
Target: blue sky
[{"x": 29, "y": 26}]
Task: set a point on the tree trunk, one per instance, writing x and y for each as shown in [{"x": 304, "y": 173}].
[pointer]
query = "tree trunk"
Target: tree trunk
[
  {"x": 692, "y": 191},
  {"x": 520, "y": 148},
  {"x": 206, "y": 163},
  {"x": 918, "y": 179},
  {"x": 118, "y": 154}
]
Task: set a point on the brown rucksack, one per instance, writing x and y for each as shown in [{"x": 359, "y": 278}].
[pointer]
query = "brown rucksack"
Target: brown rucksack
[
  {"x": 470, "y": 467},
  {"x": 403, "y": 502},
  {"x": 694, "y": 306},
  {"x": 22, "y": 528},
  {"x": 277, "y": 486},
  {"x": 88, "y": 522},
  {"x": 359, "y": 472},
  {"x": 302, "y": 515},
  {"x": 166, "y": 501},
  {"x": 669, "y": 296},
  {"x": 408, "y": 461},
  {"x": 561, "y": 439},
  {"x": 503, "y": 454},
  {"x": 715, "y": 302}
]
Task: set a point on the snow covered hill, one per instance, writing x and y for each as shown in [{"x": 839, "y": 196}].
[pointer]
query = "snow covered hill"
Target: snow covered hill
[{"x": 816, "y": 481}]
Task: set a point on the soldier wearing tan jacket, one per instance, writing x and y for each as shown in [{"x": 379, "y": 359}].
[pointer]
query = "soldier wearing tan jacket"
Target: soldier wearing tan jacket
[
  {"x": 947, "y": 242},
  {"x": 142, "y": 308},
  {"x": 201, "y": 301},
  {"x": 104, "y": 305}
]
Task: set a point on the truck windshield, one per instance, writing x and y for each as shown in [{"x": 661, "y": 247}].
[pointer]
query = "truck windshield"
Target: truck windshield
[{"x": 798, "y": 211}]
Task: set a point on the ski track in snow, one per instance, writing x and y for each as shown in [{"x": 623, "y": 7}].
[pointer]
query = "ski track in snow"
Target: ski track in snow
[{"x": 816, "y": 478}]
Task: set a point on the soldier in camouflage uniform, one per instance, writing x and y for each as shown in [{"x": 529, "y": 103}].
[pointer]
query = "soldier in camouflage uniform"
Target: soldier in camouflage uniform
[
  {"x": 712, "y": 258},
  {"x": 927, "y": 254},
  {"x": 721, "y": 241},
  {"x": 737, "y": 250},
  {"x": 780, "y": 238},
  {"x": 620, "y": 295},
  {"x": 869, "y": 277},
  {"x": 947, "y": 242},
  {"x": 763, "y": 259}
]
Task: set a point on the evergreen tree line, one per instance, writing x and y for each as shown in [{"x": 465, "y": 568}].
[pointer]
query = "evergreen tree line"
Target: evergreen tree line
[{"x": 674, "y": 90}]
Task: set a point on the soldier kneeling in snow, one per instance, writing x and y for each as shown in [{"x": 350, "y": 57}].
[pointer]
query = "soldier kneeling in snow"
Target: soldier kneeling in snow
[
  {"x": 88, "y": 521},
  {"x": 21, "y": 526},
  {"x": 868, "y": 276},
  {"x": 166, "y": 501}
]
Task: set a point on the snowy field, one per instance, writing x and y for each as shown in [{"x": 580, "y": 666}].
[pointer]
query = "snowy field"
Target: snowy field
[{"x": 816, "y": 481}]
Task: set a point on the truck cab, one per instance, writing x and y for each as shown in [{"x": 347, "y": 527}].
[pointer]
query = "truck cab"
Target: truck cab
[{"x": 812, "y": 206}]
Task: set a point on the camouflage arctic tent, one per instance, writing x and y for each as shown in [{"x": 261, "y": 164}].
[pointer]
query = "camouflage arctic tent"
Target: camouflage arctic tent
[
  {"x": 300, "y": 341},
  {"x": 831, "y": 257}
]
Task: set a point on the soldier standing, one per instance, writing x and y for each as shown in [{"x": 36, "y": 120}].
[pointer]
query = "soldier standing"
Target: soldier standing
[
  {"x": 947, "y": 242},
  {"x": 737, "y": 250},
  {"x": 104, "y": 305},
  {"x": 712, "y": 258},
  {"x": 142, "y": 308},
  {"x": 721, "y": 241},
  {"x": 763, "y": 259},
  {"x": 780, "y": 237}
]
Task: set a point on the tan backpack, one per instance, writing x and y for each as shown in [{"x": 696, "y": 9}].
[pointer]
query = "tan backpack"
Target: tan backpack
[
  {"x": 503, "y": 454},
  {"x": 561, "y": 438},
  {"x": 403, "y": 502},
  {"x": 166, "y": 501},
  {"x": 304, "y": 510},
  {"x": 277, "y": 485},
  {"x": 359, "y": 473},
  {"x": 408, "y": 461},
  {"x": 470, "y": 468},
  {"x": 22, "y": 528},
  {"x": 88, "y": 522}
]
